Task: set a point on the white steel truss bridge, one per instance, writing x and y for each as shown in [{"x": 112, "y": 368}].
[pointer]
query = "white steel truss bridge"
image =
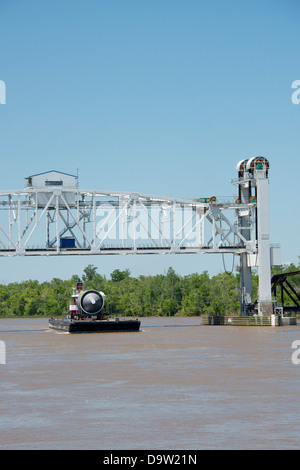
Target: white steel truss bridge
[{"x": 70, "y": 221}]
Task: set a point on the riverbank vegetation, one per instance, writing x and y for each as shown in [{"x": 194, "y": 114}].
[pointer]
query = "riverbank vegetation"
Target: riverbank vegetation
[{"x": 163, "y": 294}]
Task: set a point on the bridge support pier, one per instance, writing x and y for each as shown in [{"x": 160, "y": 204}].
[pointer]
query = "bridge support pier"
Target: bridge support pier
[
  {"x": 245, "y": 270},
  {"x": 265, "y": 306}
]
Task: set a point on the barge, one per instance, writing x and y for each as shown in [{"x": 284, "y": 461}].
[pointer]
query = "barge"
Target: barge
[{"x": 87, "y": 315}]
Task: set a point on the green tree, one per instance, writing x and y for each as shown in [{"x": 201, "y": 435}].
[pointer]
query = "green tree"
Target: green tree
[
  {"x": 117, "y": 275},
  {"x": 89, "y": 273}
]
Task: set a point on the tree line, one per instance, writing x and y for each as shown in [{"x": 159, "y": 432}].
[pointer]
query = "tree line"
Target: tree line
[{"x": 166, "y": 294}]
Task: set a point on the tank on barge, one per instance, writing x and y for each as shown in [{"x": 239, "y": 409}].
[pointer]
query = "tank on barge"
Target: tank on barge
[{"x": 87, "y": 315}]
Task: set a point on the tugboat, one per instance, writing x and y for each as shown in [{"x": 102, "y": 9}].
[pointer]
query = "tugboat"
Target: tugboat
[{"x": 87, "y": 315}]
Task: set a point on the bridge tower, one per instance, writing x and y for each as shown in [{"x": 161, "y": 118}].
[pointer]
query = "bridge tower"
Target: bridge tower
[{"x": 253, "y": 187}]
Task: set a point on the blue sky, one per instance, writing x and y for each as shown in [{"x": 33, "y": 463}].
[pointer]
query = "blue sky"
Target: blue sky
[{"x": 153, "y": 96}]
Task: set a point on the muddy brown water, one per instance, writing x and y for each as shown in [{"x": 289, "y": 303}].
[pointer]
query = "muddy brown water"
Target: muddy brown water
[{"x": 176, "y": 384}]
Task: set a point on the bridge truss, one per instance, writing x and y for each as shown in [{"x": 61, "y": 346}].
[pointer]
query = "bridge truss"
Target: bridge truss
[{"x": 70, "y": 221}]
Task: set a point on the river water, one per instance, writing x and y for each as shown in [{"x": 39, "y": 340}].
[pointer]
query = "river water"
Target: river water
[{"x": 176, "y": 384}]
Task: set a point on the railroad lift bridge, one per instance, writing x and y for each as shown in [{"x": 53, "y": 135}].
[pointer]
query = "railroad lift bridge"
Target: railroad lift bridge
[{"x": 52, "y": 216}]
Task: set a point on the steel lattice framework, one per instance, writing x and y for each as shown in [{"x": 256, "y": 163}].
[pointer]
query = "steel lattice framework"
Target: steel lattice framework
[{"x": 36, "y": 221}]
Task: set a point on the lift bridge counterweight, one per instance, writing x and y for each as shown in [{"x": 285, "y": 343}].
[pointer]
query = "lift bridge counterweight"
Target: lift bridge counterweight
[{"x": 53, "y": 217}]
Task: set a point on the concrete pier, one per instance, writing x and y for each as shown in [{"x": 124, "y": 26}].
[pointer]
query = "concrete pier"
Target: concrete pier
[{"x": 255, "y": 320}]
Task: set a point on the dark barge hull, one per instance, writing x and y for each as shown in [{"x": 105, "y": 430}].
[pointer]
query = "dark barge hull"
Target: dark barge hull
[{"x": 93, "y": 326}]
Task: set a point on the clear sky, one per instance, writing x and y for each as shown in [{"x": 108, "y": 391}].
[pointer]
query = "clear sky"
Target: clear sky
[{"x": 153, "y": 96}]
